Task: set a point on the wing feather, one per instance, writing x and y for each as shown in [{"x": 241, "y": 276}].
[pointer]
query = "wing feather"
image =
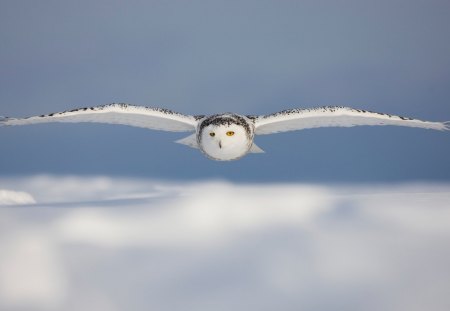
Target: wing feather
[
  {"x": 299, "y": 119},
  {"x": 137, "y": 116}
]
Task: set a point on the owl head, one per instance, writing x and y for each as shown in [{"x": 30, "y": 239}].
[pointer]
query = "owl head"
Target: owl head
[{"x": 225, "y": 137}]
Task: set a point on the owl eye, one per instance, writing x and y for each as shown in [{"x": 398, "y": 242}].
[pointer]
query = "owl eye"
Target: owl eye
[
  {"x": 212, "y": 134},
  {"x": 230, "y": 133}
]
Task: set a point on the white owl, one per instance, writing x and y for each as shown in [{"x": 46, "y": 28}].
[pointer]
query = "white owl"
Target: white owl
[{"x": 226, "y": 136}]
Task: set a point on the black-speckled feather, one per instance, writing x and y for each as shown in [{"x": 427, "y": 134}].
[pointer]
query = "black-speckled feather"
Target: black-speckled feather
[
  {"x": 333, "y": 116},
  {"x": 137, "y": 116}
]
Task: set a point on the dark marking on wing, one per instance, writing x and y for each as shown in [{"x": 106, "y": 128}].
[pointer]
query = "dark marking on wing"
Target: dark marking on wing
[
  {"x": 325, "y": 109},
  {"x": 252, "y": 117},
  {"x": 118, "y": 105}
]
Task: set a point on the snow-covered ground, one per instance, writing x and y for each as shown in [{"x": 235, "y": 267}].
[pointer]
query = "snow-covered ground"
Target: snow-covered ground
[{"x": 98, "y": 243}]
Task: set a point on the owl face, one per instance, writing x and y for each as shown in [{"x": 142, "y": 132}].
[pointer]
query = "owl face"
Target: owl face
[{"x": 225, "y": 141}]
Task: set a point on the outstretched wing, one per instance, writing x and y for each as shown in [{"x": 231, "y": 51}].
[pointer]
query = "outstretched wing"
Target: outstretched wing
[
  {"x": 138, "y": 116},
  {"x": 299, "y": 119}
]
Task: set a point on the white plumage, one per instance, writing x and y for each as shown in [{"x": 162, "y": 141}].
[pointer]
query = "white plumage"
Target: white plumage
[
  {"x": 137, "y": 116},
  {"x": 226, "y": 136}
]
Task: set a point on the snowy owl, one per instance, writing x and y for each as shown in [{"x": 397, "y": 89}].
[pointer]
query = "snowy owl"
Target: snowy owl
[{"x": 226, "y": 136}]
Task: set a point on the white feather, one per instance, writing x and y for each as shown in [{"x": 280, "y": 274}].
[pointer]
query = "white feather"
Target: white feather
[
  {"x": 222, "y": 146},
  {"x": 190, "y": 141},
  {"x": 299, "y": 119},
  {"x": 137, "y": 116},
  {"x": 256, "y": 149}
]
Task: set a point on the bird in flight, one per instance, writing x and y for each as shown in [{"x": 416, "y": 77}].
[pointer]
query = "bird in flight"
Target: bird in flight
[{"x": 227, "y": 136}]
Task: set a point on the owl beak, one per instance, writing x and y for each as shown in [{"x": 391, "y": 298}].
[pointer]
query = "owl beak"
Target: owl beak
[{"x": 220, "y": 144}]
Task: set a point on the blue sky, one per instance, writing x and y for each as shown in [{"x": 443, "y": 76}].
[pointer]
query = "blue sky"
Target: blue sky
[{"x": 250, "y": 57}]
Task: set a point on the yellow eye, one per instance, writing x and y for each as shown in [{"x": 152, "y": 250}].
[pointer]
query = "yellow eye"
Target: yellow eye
[
  {"x": 212, "y": 134},
  {"x": 230, "y": 133}
]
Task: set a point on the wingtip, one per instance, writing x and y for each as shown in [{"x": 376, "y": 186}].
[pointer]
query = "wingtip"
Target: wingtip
[
  {"x": 446, "y": 126},
  {"x": 3, "y": 120}
]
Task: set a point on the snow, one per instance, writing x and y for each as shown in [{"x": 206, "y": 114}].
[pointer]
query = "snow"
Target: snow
[
  {"x": 8, "y": 197},
  {"x": 100, "y": 243}
]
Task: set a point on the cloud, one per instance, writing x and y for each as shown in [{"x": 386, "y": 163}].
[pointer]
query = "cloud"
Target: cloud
[{"x": 117, "y": 243}]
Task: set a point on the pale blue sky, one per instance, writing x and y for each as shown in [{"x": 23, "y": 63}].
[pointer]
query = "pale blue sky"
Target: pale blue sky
[{"x": 250, "y": 57}]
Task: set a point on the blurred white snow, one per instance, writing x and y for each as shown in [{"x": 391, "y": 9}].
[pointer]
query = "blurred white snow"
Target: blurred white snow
[
  {"x": 98, "y": 243},
  {"x": 8, "y": 197}
]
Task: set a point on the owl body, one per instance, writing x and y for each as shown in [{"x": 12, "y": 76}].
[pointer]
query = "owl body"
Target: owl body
[{"x": 225, "y": 137}]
